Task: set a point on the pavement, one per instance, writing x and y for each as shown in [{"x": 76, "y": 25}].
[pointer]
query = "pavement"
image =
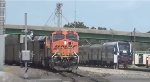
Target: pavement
[
  {"x": 114, "y": 75},
  {"x": 8, "y": 77},
  {"x": 15, "y": 74}
]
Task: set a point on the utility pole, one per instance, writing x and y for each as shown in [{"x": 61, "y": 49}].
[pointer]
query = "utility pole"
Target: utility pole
[
  {"x": 112, "y": 35},
  {"x": 26, "y": 56},
  {"x": 134, "y": 47},
  {"x": 58, "y": 13},
  {"x": 26, "y": 31}
]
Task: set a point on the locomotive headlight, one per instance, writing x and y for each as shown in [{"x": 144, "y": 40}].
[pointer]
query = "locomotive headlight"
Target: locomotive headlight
[
  {"x": 58, "y": 53},
  {"x": 65, "y": 42},
  {"x": 124, "y": 51},
  {"x": 75, "y": 56},
  {"x": 55, "y": 56}
]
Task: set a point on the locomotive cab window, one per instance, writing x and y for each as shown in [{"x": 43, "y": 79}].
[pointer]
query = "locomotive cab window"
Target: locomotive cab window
[
  {"x": 72, "y": 37},
  {"x": 57, "y": 37},
  {"x": 124, "y": 46}
]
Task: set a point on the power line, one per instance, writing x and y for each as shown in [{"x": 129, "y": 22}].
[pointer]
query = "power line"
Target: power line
[
  {"x": 67, "y": 20},
  {"x": 48, "y": 19},
  {"x": 58, "y": 14}
]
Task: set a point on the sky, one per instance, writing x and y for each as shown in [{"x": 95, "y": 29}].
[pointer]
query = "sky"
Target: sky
[{"x": 121, "y": 15}]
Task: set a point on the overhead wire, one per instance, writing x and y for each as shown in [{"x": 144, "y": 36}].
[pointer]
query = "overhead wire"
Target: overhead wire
[
  {"x": 67, "y": 20},
  {"x": 48, "y": 19},
  {"x": 54, "y": 14}
]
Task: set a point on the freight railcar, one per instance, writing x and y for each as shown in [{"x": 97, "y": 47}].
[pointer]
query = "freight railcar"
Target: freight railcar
[
  {"x": 103, "y": 55},
  {"x": 13, "y": 47},
  {"x": 57, "y": 51}
]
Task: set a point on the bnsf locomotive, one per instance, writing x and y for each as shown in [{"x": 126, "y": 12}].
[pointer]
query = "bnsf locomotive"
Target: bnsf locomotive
[
  {"x": 57, "y": 51},
  {"x": 63, "y": 47},
  {"x": 103, "y": 55}
]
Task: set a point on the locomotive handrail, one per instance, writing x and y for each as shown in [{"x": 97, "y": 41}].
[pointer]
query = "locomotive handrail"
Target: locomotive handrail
[
  {"x": 77, "y": 56},
  {"x": 53, "y": 56}
]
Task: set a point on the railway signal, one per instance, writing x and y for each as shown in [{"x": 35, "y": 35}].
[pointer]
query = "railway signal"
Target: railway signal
[{"x": 26, "y": 55}]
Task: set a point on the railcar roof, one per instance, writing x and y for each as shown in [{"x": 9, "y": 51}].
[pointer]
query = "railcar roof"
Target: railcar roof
[
  {"x": 84, "y": 46},
  {"x": 96, "y": 45},
  {"x": 39, "y": 37},
  {"x": 113, "y": 43}
]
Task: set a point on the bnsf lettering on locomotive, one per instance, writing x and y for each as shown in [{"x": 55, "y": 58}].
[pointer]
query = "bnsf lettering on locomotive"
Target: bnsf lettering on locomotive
[
  {"x": 65, "y": 47},
  {"x": 74, "y": 46},
  {"x": 62, "y": 46},
  {"x": 56, "y": 46}
]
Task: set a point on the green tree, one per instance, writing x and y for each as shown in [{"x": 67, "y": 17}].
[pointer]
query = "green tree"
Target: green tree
[
  {"x": 93, "y": 28},
  {"x": 102, "y": 28},
  {"x": 76, "y": 25}
]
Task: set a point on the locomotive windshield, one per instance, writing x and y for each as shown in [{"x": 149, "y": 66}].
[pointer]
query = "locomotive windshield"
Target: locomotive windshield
[
  {"x": 57, "y": 37},
  {"x": 72, "y": 37},
  {"x": 124, "y": 46}
]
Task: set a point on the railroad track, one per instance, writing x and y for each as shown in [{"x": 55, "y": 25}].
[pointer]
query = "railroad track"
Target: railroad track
[
  {"x": 75, "y": 77},
  {"x": 39, "y": 74},
  {"x": 69, "y": 75}
]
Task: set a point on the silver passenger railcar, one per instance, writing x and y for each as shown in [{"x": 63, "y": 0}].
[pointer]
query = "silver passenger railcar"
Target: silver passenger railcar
[{"x": 103, "y": 55}]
